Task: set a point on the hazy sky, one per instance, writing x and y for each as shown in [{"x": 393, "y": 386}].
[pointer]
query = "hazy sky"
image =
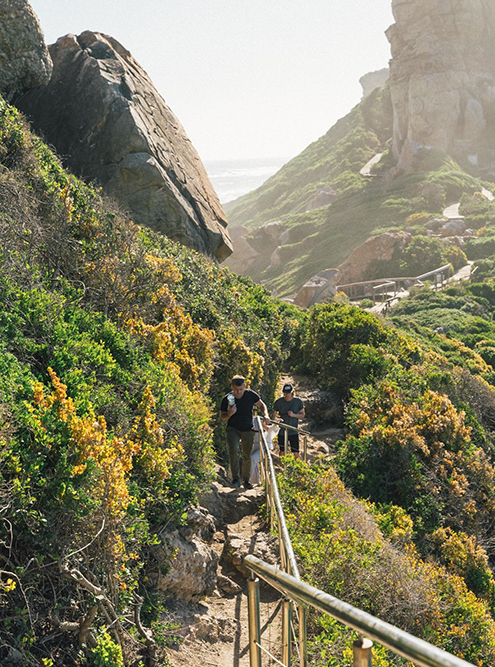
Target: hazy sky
[{"x": 246, "y": 78}]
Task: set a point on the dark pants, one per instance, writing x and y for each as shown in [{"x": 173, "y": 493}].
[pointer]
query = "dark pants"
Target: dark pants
[
  {"x": 245, "y": 439},
  {"x": 293, "y": 441}
]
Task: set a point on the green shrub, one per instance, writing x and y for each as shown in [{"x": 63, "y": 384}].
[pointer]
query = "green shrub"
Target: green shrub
[
  {"x": 480, "y": 247},
  {"x": 342, "y": 551},
  {"x": 106, "y": 653},
  {"x": 421, "y": 255},
  {"x": 343, "y": 346}
]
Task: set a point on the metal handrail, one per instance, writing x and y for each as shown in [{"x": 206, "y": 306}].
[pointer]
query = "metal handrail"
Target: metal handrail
[
  {"x": 290, "y": 564},
  {"x": 417, "y": 650},
  {"x": 287, "y": 580},
  {"x": 288, "y": 428}
]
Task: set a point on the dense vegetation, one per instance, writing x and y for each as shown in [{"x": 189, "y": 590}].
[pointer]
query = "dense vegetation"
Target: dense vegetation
[
  {"x": 364, "y": 554},
  {"x": 420, "y": 415},
  {"x": 115, "y": 345},
  {"x": 324, "y": 237}
]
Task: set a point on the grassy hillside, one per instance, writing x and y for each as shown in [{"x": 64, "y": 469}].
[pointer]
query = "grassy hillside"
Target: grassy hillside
[
  {"x": 323, "y": 238},
  {"x": 419, "y": 408},
  {"x": 115, "y": 347},
  {"x": 335, "y": 160}
]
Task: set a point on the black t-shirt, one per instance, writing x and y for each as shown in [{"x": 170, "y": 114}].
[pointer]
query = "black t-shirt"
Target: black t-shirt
[{"x": 242, "y": 420}]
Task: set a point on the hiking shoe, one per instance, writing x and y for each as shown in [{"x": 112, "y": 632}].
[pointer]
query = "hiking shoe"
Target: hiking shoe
[
  {"x": 248, "y": 485},
  {"x": 236, "y": 483}
]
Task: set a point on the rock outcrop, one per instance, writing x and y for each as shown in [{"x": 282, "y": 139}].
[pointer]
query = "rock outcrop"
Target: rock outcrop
[
  {"x": 317, "y": 289},
  {"x": 192, "y": 564},
  {"x": 24, "y": 59},
  {"x": 105, "y": 118},
  {"x": 323, "y": 197},
  {"x": 442, "y": 79},
  {"x": 380, "y": 248},
  {"x": 374, "y": 80},
  {"x": 254, "y": 250}
]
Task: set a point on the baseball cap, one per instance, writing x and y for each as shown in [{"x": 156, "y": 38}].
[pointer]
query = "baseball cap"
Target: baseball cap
[{"x": 287, "y": 388}]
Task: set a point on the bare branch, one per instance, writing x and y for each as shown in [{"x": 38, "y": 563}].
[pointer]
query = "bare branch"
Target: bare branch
[{"x": 12, "y": 574}]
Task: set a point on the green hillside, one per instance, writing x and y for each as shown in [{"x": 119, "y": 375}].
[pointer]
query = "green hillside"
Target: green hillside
[
  {"x": 334, "y": 160},
  {"x": 324, "y": 237},
  {"x": 116, "y": 345}
]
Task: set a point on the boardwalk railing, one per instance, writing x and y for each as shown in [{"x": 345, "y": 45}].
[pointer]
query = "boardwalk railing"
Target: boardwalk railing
[
  {"x": 298, "y": 596},
  {"x": 387, "y": 288}
]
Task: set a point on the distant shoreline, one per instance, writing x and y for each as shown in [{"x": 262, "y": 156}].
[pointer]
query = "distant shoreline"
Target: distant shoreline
[{"x": 234, "y": 178}]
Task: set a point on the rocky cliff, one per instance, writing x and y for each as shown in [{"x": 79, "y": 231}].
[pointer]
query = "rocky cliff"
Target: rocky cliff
[
  {"x": 24, "y": 59},
  {"x": 104, "y": 116},
  {"x": 442, "y": 79},
  {"x": 374, "y": 80}
]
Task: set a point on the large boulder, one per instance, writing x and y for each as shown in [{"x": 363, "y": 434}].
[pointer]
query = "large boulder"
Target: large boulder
[
  {"x": 253, "y": 250},
  {"x": 442, "y": 78},
  {"x": 380, "y": 248},
  {"x": 317, "y": 289},
  {"x": 105, "y": 118},
  {"x": 24, "y": 59},
  {"x": 192, "y": 567},
  {"x": 325, "y": 284}
]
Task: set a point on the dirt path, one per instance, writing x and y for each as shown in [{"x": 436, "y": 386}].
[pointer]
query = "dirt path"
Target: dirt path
[{"x": 214, "y": 632}]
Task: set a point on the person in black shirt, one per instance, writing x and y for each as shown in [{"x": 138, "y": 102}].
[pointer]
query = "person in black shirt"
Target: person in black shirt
[
  {"x": 237, "y": 410},
  {"x": 291, "y": 410}
]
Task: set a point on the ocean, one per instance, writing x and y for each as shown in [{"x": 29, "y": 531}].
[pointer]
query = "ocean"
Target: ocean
[{"x": 234, "y": 178}]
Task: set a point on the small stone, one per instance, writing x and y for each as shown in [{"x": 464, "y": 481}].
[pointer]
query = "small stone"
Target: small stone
[{"x": 227, "y": 585}]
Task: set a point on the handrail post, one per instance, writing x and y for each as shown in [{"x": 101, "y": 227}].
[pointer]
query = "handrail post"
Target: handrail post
[
  {"x": 286, "y": 632},
  {"x": 253, "y": 590},
  {"x": 305, "y": 448},
  {"x": 281, "y": 548},
  {"x": 272, "y": 512},
  {"x": 361, "y": 650},
  {"x": 303, "y": 637},
  {"x": 286, "y": 441}
]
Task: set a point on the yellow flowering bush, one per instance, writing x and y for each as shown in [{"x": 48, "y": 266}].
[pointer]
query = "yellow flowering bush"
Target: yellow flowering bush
[{"x": 343, "y": 552}]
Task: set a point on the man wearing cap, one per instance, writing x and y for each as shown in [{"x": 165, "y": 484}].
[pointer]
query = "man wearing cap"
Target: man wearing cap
[
  {"x": 237, "y": 410},
  {"x": 291, "y": 410}
]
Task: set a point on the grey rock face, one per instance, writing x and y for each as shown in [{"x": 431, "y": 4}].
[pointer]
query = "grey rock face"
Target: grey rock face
[
  {"x": 24, "y": 59},
  {"x": 442, "y": 78},
  {"x": 317, "y": 289},
  {"x": 104, "y": 116},
  {"x": 324, "y": 197},
  {"x": 262, "y": 546},
  {"x": 193, "y": 571},
  {"x": 253, "y": 250}
]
